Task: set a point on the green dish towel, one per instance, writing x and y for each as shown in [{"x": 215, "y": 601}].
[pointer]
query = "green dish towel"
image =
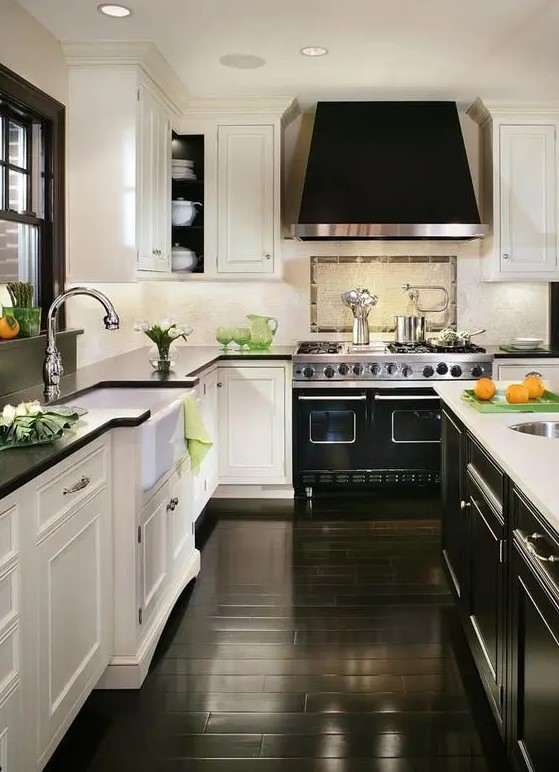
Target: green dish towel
[{"x": 195, "y": 433}]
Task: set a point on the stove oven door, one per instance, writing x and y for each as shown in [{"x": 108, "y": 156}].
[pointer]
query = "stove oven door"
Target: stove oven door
[
  {"x": 331, "y": 433},
  {"x": 407, "y": 435}
]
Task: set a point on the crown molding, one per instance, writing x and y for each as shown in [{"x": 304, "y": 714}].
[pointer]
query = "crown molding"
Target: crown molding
[
  {"x": 482, "y": 112},
  {"x": 143, "y": 55},
  {"x": 285, "y": 108}
]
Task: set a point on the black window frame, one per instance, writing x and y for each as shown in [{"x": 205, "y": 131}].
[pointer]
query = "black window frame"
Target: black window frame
[{"x": 52, "y": 243}]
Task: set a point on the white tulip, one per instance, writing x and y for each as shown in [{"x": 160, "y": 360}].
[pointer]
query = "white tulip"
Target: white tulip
[
  {"x": 21, "y": 409},
  {"x": 9, "y": 413},
  {"x": 174, "y": 332},
  {"x": 165, "y": 324},
  {"x": 34, "y": 408}
]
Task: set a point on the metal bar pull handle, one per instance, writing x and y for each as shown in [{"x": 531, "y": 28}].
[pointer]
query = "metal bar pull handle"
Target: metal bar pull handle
[
  {"x": 533, "y": 550},
  {"x": 403, "y": 398},
  {"x": 80, "y": 485},
  {"x": 337, "y": 397}
]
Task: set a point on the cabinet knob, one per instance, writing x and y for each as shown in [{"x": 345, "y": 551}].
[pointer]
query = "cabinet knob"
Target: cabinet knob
[
  {"x": 505, "y": 256},
  {"x": 172, "y": 505},
  {"x": 465, "y": 505},
  {"x": 219, "y": 385},
  {"x": 268, "y": 257}
]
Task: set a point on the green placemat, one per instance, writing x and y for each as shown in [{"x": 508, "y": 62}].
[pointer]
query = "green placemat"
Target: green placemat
[{"x": 547, "y": 403}]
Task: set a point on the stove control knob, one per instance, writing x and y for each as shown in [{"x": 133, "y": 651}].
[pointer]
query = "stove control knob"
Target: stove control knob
[
  {"x": 428, "y": 371},
  {"x": 329, "y": 371},
  {"x": 477, "y": 371},
  {"x": 343, "y": 369},
  {"x": 375, "y": 369},
  {"x": 407, "y": 372},
  {"x": 308, "y": 371},
  {"x": 391, "y": 369},
  {"x": 358, "y": 369},
  {"x": 456, "y": 371},
  {"x": 442, "y": 369}
]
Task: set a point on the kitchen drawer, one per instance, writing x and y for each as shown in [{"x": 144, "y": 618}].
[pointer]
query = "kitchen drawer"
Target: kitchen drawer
[
  {"x": 485, "y": 471},
  {"x": 8, "y": 531},
  {"x": 72, "y": 482},
  {"x": 538, "y": 539},
  {"x": 9, "y": 597},
  {"x": 9, "y": 659}
]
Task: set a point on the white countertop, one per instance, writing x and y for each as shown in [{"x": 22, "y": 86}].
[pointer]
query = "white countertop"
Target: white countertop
[{"x": 531, "y": 462}]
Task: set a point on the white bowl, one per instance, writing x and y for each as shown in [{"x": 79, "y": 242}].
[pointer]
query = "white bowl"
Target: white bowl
[{"x": 526, "y": 343}]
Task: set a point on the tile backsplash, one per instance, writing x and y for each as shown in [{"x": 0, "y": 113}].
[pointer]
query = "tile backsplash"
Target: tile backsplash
[{"x": 382, "y": 276}]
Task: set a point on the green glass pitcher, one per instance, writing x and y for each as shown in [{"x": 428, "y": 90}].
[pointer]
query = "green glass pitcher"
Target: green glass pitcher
[{"x": 262, "y": 331}]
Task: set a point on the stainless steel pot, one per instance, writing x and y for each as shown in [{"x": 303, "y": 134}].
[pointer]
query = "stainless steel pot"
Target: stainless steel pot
[{"x": 410, "y": 329}]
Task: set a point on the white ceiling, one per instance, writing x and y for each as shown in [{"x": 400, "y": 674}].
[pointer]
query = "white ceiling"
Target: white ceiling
[{"x": 378, "y": 48}]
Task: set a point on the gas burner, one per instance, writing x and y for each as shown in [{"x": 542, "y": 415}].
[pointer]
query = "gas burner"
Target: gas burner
[
  {"x": 426, "y": 348},
  {"x": 319, "y": 347}
]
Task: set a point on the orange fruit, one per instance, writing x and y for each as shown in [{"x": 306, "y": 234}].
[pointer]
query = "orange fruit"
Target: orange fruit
[
  {"x": 485, "y": 388},
  {"x": 535, "y": 386},
  {"x": 9, "y": 327},
  {"x": 517, "y": 393}
]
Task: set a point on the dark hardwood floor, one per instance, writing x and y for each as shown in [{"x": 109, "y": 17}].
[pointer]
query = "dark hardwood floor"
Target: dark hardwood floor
[{"x": 324, "y": 642}]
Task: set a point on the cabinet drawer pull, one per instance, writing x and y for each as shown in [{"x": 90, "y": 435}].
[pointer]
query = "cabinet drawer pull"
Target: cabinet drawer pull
[
  {"x": 533, "y": 373},
  {"x": 172, "y": 505},
  {"x": 533, "y": 550},
  {"x": 80, "y": 485},
  {"x": 465, "y": 505},
  {"x": 505, "y": 256}
]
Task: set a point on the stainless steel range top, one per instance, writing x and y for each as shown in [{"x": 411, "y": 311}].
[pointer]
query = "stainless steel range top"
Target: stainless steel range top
[{"x": 340, "y": 362}]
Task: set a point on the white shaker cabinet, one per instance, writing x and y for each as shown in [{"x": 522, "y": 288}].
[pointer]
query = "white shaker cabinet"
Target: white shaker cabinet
[
  {"x": 518, "y": 369},
  {"x": 246, "y": 199},
  {"x": 205, "y": 480},
  {"x": 520, "y": 172},
  {"x": 74, "y": 616},
  {"x": 252, "y": 417},
  {"x": 119, "y": 175}
]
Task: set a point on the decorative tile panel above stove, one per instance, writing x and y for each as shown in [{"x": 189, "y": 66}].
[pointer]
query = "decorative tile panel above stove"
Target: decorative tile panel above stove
[{"x": 383, "y": 276}]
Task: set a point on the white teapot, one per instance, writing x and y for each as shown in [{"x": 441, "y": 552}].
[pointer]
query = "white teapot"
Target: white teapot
[
  {"x": 183, "y": 212},
  {"x": 183, "y": 259}
]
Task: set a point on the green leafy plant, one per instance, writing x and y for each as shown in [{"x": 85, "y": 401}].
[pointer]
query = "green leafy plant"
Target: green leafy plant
[
  {"x": 21, "y": 293},
  {"x": 30, "y": 423}
]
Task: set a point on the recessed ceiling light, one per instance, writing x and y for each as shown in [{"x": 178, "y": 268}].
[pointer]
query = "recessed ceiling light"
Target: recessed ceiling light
[
  {"x": 314, "y": 51},
  {"x": 115, "y": 11},
  {"x": 242, "y": 61}
]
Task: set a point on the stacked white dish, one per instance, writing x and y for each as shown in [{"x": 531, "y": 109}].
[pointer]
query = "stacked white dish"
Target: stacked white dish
[
  {"x": 182, "y": 169},
  {"x": 525, "y": 344}
]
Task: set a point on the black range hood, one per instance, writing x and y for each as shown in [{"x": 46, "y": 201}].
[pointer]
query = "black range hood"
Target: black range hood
[{"x": 387, "y": 170}]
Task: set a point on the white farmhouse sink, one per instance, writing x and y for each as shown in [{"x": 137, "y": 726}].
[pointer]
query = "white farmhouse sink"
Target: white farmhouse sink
[{"x": 161, "y": 436}]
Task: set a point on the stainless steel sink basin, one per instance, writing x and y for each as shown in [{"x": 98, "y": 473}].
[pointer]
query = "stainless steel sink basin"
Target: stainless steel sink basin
[{"x": 538, "y": 428}]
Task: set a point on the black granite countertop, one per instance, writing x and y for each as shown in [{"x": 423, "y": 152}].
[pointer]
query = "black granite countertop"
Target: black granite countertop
[
  {"x": 540, "y": 353},
  {"x": 19, "y": 466}
]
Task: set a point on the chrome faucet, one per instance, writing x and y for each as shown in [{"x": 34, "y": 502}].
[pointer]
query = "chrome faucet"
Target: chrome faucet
[{"x": 52, "y": 366}]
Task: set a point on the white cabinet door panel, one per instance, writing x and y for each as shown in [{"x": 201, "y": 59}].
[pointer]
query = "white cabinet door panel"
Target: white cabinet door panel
[
  {"x": 154, "y": 573},
  {"x": 11, "y": 733},
  {"x": 528, "y": 171},
  {"x": 75, "y": 615},
  {"x": 179, "y": 512},
  {"x": 252, "y": 424},
  {"x": 246, "y": 199}
]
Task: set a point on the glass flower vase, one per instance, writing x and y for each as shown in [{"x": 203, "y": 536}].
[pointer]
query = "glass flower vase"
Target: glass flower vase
[{"x": 162, "y": 358}]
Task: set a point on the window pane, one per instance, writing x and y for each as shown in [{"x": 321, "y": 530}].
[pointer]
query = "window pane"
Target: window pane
[
  {"x": 17, "y": 191},
  {"x": 17, "y": 144},
  {"x": 18, "y": 252},
  {"x": 3, "y": 122}
]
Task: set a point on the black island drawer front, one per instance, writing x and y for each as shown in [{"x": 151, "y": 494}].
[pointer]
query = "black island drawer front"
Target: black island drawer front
[
  {"x": 484, "y": 601},
  {"x": 486, "y": 469},
  {"x": 534, "y": 647}
]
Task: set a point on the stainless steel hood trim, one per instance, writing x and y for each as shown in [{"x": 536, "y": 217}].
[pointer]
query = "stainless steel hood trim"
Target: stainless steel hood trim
[{"x": 389, "y": 230}]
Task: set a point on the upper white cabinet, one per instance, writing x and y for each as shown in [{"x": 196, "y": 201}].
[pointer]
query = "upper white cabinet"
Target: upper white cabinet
[
  {"x": 242, "y": 190},
  {"x": 154, "y": 183},
  {"x": 246, "y": 211},
  {"x": 518, "y": 197},
  {"x": 119, "y": 164}
]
